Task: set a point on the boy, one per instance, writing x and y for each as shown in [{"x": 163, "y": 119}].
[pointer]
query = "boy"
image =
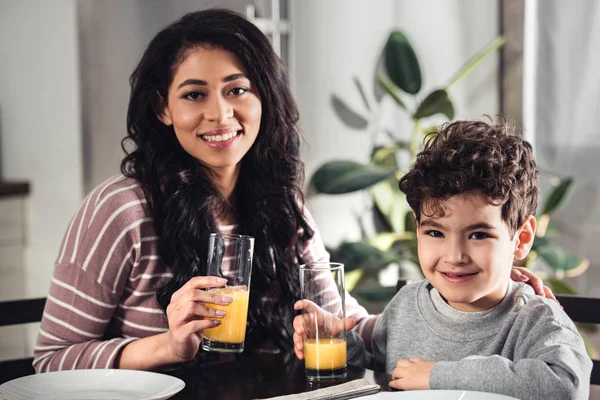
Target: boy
[{"x": 468, "y": 326}]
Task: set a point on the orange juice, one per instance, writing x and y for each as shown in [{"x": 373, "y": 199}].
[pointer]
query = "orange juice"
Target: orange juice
[
  {"x": 324, "y": 354},
  {"x": 233, "y": 325}
]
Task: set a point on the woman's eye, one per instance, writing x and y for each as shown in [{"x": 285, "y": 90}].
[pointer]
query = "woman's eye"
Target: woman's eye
[
  {"x": 193, "y": 95},
  {"x": 435, "y": 234},
  {"x": 479, "y": 235},
  {"x": 238, "y": 91}
]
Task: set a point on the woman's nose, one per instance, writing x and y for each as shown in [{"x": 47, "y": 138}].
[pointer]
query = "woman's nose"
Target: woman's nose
[{"x": 218, "y": 110}]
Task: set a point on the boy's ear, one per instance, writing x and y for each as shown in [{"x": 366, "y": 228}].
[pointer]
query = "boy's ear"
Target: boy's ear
[
  {"x": 525, "y": 236},
  {"x": 162, "y": 111}
]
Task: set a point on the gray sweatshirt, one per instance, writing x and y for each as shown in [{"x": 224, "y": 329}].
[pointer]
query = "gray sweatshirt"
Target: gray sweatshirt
[{"x": 525, "y": 347}]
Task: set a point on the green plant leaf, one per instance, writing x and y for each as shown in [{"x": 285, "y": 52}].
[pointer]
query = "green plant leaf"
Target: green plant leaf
[
  {"x": 385, "y": 156},
  {"x": 560, "y": 260},
  {"x": 390, "y": 202},
  {"x": 410, "y": 224},
  {"x": 384, "y": 240},
  {"x": 474, "y": 61},
  {"x": 436, "y": 102},
  {"x": 361, "y": 90},
  {"x": 589, "y": 345},
  {"x": 348, "y": 116},
  {"x": 558, "y": 196},
  {"x": 587, "y": 327},
  {"x": 361, "y": 255},
  {"x": 390, "y": 88},
  {"x": 560, "y": 286},
  {"x": 402, "y": 64},
  {"x": 352, "y": 278},
  {"x": 375, "y": 293},
  {"x": 540, "y": 242},
  {"x": 337, "y": 177}
]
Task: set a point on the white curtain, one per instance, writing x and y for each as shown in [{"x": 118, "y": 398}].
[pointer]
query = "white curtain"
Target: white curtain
[{"x": 562, "y": 114}]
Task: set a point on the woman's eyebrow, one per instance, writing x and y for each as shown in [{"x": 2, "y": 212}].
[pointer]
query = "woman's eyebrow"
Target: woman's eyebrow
[{"x": 228, "y": 78}]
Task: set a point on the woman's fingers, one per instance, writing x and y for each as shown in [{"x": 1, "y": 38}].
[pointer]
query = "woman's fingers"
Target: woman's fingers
[
  {"x": 549, "y": 294},
  {"x": 200, "y": 297},
  {"x": 198, "y": 282},
  {"x": 196, "y": 326}
]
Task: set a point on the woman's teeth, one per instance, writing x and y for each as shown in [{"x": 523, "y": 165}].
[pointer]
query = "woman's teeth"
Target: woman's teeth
[{"x": 219, "y": 138}]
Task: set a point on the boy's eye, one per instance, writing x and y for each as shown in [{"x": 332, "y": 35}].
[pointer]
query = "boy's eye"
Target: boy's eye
[
  {"x": 193, "y": 95},
  {"x": 238, "y": 91},
  {"x": 435, "y": 234},
  {"x": 479, "y": 235}
]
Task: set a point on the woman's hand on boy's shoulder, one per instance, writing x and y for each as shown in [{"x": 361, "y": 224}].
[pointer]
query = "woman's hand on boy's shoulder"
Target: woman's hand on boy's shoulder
[
  {"x": 521, "y": 274},
  {"x": 412, "y": 374}
]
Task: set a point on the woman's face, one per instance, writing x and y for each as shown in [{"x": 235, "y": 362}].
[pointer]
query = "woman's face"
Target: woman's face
[{"x": 214, "y": 108}]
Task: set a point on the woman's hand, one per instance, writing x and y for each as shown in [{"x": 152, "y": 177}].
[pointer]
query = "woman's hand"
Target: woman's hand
[
  {"x": 520, "y": 274},
  {"x": 187, "y": 313}
]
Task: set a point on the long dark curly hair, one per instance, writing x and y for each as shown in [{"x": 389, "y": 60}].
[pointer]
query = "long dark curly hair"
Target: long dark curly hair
[
  {"x": 475, "y": 155},
  {"x": 183, "y": 199}
]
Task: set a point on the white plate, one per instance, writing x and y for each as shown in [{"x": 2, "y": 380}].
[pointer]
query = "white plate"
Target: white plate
[
  {"x": 92, "y": 384},
  {"x": 436, "y": 395}
]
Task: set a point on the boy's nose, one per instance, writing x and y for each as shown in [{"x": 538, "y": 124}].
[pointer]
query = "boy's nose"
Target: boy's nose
[{"x": 456, "y": 254}]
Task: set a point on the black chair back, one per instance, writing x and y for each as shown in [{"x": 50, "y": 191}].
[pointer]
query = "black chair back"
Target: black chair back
[{"x": 17, "y": 312}]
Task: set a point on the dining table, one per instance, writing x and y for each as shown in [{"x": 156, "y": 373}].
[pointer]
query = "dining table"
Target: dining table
[{"x": 249, "y": 376}]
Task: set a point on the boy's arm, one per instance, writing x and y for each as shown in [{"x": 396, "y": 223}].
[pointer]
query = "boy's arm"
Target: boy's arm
[
  {"x": 551, "y": 362},
  {"x": 379, "y": 343}
]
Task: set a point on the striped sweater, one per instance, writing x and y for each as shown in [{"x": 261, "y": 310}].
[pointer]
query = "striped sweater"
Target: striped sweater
[{"x": 108, "y": 269}]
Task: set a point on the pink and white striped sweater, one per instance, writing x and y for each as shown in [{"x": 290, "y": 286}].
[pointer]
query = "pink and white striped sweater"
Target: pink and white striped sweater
[{"x": 102, "y": 294}]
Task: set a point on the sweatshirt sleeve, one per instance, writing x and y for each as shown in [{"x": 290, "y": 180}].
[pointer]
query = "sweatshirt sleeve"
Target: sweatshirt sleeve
[
  {"x": 89, "y": 278},
  {"x": 550, "y": 362},
  {"x": 379, "y": 343}
]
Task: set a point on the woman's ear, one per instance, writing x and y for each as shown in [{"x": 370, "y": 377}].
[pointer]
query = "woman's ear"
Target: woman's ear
[
  {"x": 525, "y": 236},
  {"x": 162, "y": 111}
]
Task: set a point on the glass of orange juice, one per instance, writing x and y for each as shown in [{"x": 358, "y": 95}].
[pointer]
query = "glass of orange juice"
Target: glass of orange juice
[
  {"x": 230, "y": 257},
  {"x": 322, "y": 288}
]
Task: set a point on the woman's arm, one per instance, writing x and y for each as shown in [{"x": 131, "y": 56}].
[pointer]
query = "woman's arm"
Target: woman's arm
[{"x": 109, "y": 253}]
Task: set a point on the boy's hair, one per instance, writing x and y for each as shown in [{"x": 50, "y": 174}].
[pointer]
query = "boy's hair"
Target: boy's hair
[{"x": 475, "y": 155}]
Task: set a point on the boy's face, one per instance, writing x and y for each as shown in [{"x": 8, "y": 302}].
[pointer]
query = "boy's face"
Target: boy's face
[{"x": 467, "y": 254}]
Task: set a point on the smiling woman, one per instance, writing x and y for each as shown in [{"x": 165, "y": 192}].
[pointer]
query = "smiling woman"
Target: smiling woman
[{"x": 215, "y": 148}]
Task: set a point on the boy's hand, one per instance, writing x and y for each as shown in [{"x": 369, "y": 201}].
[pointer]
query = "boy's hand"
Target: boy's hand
[
  {"x": 411, "y": 374},
  {"x": 305, "y": 324}
]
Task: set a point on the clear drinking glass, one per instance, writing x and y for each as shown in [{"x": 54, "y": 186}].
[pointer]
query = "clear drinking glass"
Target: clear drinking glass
[
  {"x": 230, "y": 257},
  {"x": 322, "y": 289}
]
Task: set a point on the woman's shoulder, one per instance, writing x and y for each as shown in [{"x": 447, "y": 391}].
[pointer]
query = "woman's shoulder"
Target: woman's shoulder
[
  {"x": 114, "y": 215},
  {"x": 117, "y": 203},
  {"x": 114, "y": 193}
]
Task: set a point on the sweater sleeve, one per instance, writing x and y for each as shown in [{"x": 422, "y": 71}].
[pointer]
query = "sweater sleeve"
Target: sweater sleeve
[
  {"x": 314, "y": 251},
  {"x": 550, "y": 362},
  {"x": 379, "y": 343},
  {"x": 90, "y": 274}
]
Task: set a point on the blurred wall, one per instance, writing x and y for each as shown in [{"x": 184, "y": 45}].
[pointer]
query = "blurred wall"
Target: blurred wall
[
  {"x": 41, "y": 122},
  {"x": 561, "y": 103}
]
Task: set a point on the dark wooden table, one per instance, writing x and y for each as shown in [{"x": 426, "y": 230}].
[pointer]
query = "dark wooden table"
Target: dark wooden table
[{"x": 255, "y": 376}]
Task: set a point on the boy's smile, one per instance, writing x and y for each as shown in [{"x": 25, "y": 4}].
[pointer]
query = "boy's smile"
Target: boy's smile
[{"x": 467, "y": 254}]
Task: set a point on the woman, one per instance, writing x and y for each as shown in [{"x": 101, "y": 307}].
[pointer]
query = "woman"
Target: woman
[{"x": 215, "y": 148}]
